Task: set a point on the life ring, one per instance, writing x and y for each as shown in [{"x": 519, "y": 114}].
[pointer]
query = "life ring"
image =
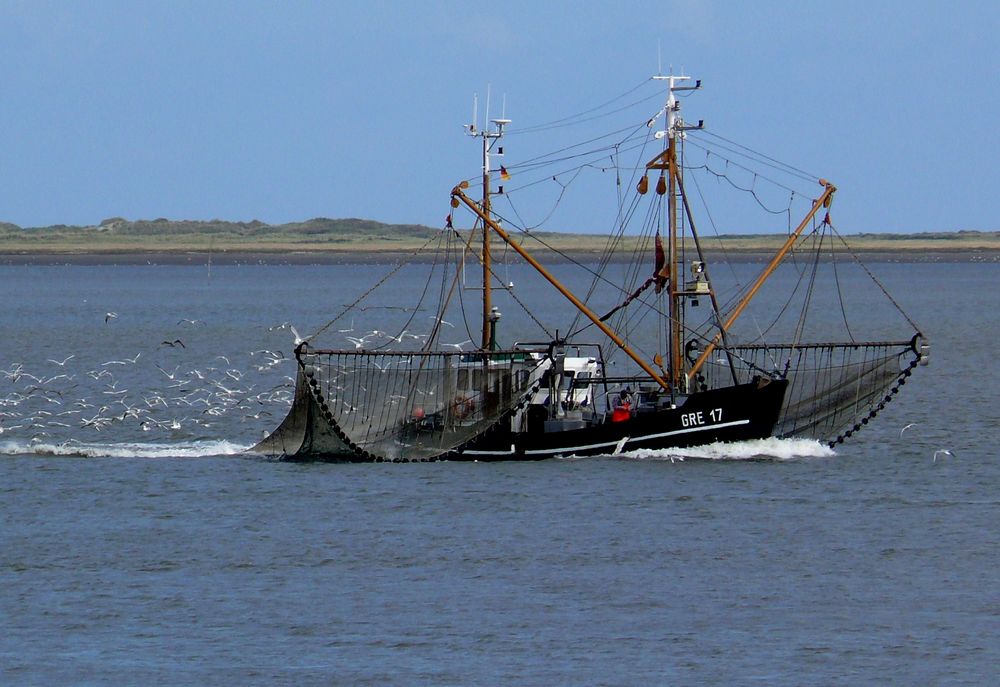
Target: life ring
[{"x": 462, "y": 406}]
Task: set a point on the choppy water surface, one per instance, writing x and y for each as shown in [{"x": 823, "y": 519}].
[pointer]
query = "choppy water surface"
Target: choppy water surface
[{"x": 145, "y": 549}]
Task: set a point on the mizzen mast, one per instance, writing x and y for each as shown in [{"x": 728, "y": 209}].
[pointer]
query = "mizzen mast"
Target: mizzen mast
[{"x": 490, "y": 137}]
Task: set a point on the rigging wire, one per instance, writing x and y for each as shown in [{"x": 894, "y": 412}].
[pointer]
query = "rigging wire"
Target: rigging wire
[
  {"x": 547, "y": 158},
  {"x": 778, "y": 164},
  {"x": 566, "y": 121},
  {"x": 402, "y": 263},
  {"x": 800, "y": 327},
  {"x": 840, "y": 292},
  {"x": 755, "y": 174},
  {"x": 874, "y": 279}
]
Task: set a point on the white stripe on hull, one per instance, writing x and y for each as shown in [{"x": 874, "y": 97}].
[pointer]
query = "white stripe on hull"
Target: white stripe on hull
[{"x": 606, "y": 444}]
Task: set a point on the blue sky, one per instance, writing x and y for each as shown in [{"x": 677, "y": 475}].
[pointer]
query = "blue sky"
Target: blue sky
[{"x": 287, "y": 111}]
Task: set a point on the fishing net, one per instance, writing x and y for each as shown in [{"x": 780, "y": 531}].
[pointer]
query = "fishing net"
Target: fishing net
[
  {"x": 834, "y": 388},
  {"x": 399, "y": 406}
]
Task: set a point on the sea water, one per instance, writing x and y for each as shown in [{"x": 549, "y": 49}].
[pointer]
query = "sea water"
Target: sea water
[{"x": 148, "y": 549}]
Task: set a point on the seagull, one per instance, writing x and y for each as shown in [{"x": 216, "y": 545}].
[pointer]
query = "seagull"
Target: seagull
[
  {"x": 943, "y": 452},
  {"x": 191, "y": 322},
  {"x": 906, "y": 428},
  {"x": 442, "y": 321},
  {"x": 54, "y": 378},
  {"x": 458, "y": 346},
  {"x": 170, "y": 376},
  {"x": 173, "y": 344},
  {"x": 277, "y": 356},
  {"x": 126, "y": 361},
  {"x": 63, "y": 363},
  {"x": 110, "y": 316}
]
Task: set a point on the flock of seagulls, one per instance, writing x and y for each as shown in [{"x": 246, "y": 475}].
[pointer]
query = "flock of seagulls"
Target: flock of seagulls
[
  {"x": 175, "y": 390},
  {"x": 379, "y": 340}
]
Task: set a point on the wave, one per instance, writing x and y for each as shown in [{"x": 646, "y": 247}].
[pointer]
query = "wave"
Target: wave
[
  {"x": 756, "y": 449},
  {"x": 196, "y": 449}
]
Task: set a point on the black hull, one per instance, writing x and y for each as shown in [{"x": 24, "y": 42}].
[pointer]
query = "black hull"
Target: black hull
[{"x": 736, "y": 413}]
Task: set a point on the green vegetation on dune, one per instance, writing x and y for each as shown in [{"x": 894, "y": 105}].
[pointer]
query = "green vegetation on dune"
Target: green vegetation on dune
[{"x": 118, "y": 235}]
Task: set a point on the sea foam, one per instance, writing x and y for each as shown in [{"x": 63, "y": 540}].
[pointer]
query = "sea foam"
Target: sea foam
[
  {"x": 196, "y": 449},
  {"x": 756, "y": 449}
]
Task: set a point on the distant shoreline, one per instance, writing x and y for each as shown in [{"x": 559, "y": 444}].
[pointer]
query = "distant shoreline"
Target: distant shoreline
[
  {"x": 363, "y": 257},
  {"x": 117, "y": 241}
]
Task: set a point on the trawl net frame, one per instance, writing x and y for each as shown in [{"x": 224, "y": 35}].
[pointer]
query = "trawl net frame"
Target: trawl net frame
[
  {"x": 412, "y": 405},
  {"x": 833, "y": 387}
]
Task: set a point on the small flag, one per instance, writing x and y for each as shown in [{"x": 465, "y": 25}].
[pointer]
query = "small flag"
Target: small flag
[
  {"x": 447, "y": 222},
  {"x": 504, "y": 174}
]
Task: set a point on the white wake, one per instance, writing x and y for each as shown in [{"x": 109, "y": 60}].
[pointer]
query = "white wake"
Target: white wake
[
  {"x": 194, "y": 449},
  {"x": 756, "y": 449}
]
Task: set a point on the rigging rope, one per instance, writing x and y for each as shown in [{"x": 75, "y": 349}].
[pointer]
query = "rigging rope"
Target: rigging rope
[
  {"x": 565, "y": 121},
  {"x": 402, "y": 263},
  {"x": 777, "y": 164},
  {"x": 874, "y": 279}
]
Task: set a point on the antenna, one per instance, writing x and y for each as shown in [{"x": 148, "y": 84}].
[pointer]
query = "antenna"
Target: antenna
[
  {"x": 488, "y": 86},
  {"x": 471, "y": 128},
  {"x": 659, "y": 57}
]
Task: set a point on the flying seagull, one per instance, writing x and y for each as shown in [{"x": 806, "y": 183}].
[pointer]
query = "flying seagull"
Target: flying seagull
[
  {"x": 943, "y": 452},
  {"x": 110, "y": 316}
]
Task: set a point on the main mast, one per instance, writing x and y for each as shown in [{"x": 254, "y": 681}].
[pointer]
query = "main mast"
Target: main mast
[{"x": 673, "y": 130}]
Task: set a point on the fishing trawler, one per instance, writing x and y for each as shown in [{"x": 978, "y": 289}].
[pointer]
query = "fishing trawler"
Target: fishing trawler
[{"x": 633, "y": 369}]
